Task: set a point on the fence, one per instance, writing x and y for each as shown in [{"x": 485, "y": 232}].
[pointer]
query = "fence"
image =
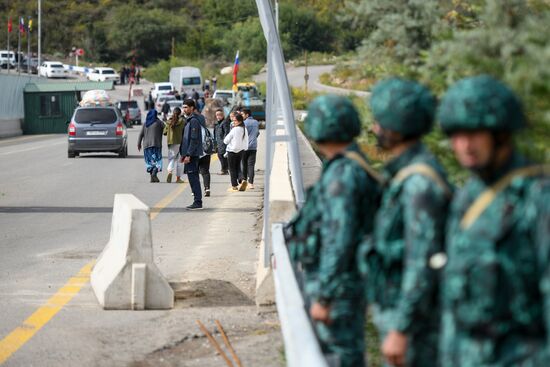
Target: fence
[{"x": 301, "y": 345}]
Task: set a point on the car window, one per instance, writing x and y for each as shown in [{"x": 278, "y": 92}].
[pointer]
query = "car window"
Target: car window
[
  {"x": 58, "y": 66},
  {"x": 191, "y": 81},
  {"x": 108, "y": 71},
  {"x": 124, "y": 105},
  {"x": 164, "y": 87},
  {"x": 95, "y": 115}
]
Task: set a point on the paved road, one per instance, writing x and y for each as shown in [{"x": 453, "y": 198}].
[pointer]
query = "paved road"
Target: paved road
[
  {"x": 55, "y": 217},
  {"x": 296, "y": 79}
]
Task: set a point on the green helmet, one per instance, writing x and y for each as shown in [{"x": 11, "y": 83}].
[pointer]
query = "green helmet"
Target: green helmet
[
  {"x": 403, "y": 106},
  {"x": 332, "y": 118},
  {"x": 480, "y": 102}
]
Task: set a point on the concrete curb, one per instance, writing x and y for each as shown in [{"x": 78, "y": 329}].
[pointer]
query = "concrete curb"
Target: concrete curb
[{"x": 125, "y": 276}]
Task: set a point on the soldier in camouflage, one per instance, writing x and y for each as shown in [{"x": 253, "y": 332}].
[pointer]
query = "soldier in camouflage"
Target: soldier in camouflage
[
  {"x": 496, "y": 287},
  {"x": 326, "y": 232},
  {"x": 409, "y": 226}
]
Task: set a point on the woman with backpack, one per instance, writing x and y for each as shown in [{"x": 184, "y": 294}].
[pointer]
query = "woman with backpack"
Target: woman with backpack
[{"x": 237, "y": 143}]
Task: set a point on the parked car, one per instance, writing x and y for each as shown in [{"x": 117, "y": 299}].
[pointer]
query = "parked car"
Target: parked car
[
  {"x": 97, "y": 129},
  {"x": 161, "y": 88},
  {"x": 161, "y": 99},
  {"x": 226, "y": 95},
  {"x": 103, "y": 74},
  {"x": 32, "y": 63},
  {"x": 7, "y": 59},
  {"x": 53, "y": 69},
  {"x": 130, "y": 111}
]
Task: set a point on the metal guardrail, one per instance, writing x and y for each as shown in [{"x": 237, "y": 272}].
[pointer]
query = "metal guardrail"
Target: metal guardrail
[{"x": 301, "y": 345}]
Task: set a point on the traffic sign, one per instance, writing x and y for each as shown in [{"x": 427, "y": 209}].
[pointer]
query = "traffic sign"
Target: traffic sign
[{"x": 79, "y": 52}]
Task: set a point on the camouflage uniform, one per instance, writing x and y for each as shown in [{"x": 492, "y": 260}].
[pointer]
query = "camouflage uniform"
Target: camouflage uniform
[
  {"x": 409, "y": 225},
  {"x": 496, "y": 289},
  {"x": 327, "y": 230}
]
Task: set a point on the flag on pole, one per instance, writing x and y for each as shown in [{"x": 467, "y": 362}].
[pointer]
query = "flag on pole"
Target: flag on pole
[
  {"x": 30, "y": 25},
  {"x": 22, "y": 25},
  {"x": 10, "y": 25},
  {"x": 235, "y": 69}
]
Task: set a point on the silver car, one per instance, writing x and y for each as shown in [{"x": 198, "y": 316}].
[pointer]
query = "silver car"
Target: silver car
[
  {"x": 97, "y": 129},
  {"x": 132, "y": 108}
]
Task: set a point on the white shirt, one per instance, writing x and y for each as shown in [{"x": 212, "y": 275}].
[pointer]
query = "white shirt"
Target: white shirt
[{"x": 235, "y": 141}]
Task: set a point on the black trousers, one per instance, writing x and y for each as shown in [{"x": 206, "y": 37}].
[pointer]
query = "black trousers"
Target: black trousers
[
  {"x": 223, "y": 162},
  {"x": 192, "y": 171},
  {"x": 234, "y": 160},
  {"x": 249, "y": 162},
  {"x": 204, "y": 169}
]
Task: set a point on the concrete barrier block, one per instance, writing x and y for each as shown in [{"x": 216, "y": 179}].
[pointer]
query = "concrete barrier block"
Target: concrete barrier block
[{"x": 125, "y": 276}]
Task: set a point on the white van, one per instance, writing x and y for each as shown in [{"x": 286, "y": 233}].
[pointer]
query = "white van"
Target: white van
[
  {"x": 7, "y": 58},
  {"x": 186, "y": 78}
]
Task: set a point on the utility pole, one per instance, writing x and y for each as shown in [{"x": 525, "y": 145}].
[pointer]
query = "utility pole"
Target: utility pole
[
  {"x": 29, "y": 46},
  {"x": 9, "y": 58},
  {"x": 39, "y": 34},
  {"x": 306, "y": 75},
  {"x": 173, "y": 47}
]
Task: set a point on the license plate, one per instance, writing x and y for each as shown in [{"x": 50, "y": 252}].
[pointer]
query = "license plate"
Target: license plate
[{"x": 96, "y": 133}]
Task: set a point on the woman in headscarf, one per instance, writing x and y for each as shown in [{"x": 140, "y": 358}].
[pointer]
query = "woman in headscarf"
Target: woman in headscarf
[{"x": 151, "y": 137}]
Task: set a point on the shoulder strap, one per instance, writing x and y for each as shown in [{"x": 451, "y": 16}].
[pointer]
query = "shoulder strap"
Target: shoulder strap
[
  {"x": 485, "y": 199},
  {"x": 424, "y": 170},
  {"x": 361, "y": 161}
]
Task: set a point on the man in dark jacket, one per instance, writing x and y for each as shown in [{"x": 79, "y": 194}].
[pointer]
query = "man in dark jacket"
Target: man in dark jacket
[
  {"x": 221, "y": 129},
  {"x": 191, "y": 151}
]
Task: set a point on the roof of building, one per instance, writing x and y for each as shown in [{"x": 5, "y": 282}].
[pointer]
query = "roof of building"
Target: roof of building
[{"x": 67, "y": 86}]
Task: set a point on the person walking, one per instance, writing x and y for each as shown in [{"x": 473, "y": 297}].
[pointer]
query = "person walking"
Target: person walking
[
  {"x": 249, "y": 156},
  {"x": 165, "y": 110},
  {"x": 221, "y": 129},
  {"x": 204, "y": 161},
  {"x": 324, "y": 236},
  {"x": 191, "y": 151},
  {"x": 174, "y": 131},
  {"x": 408, "y": 227},
  {"x": 237, "y": 143},
  {"x": 150, "y": 138},
  {"x": 496, "y": 283}
]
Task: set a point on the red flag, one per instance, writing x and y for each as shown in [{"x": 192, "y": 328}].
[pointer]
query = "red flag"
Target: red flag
[{"x": 10, "y": 25}]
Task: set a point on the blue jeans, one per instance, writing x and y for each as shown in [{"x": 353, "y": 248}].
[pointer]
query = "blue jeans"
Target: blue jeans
[{"x": 192, "y": 171}]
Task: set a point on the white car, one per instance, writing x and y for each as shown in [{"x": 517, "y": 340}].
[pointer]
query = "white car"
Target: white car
[
  {"x": 103, "y": 75},
  {"x": 161, "y": 88},
  {"x": 7, "y": 59},
  {"x": 53, "y": 69},
  {"x": 161, "y": 99},
  {"x": 226, "y": 95}
]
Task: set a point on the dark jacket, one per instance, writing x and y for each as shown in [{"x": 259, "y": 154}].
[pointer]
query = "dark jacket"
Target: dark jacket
[
  {"x": 191, "y": 143},
  {"x": 221, "y": 129},
  {"x": 151, "y": 136}
]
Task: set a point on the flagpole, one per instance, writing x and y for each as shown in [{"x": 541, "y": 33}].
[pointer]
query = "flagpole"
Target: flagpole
[
  {"x": 39, "y": 34},
  {"x": 29, "y": 48},
  {"x": 19, "y": 49},
  {"x": 9, "y": 58}
]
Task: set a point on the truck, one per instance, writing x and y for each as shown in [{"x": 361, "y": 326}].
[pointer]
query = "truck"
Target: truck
[{"x": 186, "y": 78}]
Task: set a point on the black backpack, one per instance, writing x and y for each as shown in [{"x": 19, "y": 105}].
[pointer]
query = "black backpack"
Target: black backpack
[{"x": 208, "y": 141}]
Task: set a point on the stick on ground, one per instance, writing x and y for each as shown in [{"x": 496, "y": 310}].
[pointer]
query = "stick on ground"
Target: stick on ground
[
  {"x": 228, "y": 344},
  {"x": 215, "y": 344}
]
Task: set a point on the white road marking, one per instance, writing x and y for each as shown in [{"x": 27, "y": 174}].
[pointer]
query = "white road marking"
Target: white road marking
[{"x": 33, "y": 148}]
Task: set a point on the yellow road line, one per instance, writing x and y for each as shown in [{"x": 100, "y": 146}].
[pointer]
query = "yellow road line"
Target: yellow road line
[{"x": 22, "y": 334}]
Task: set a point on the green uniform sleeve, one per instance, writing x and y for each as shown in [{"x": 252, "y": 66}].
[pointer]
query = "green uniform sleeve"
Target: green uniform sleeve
[
  {"x": 424, "y": 212},
  {"x": 541, "y": 234},
  {"x": 340, "y": 226}
]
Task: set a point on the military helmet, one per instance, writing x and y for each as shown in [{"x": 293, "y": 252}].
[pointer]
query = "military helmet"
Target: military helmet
[
  {"x": 403, "y": 106},
  {"x": 480, "y": 102},
  {"x": 332, "y": 118}
]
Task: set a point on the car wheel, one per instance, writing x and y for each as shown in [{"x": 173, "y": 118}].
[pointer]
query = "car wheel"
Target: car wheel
[
  {"x": 123, "y": 152},
  {"x": 71, "y": 154}
]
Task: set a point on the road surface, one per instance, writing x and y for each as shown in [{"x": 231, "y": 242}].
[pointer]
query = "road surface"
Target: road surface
[{"x": 55, "y": 217}]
